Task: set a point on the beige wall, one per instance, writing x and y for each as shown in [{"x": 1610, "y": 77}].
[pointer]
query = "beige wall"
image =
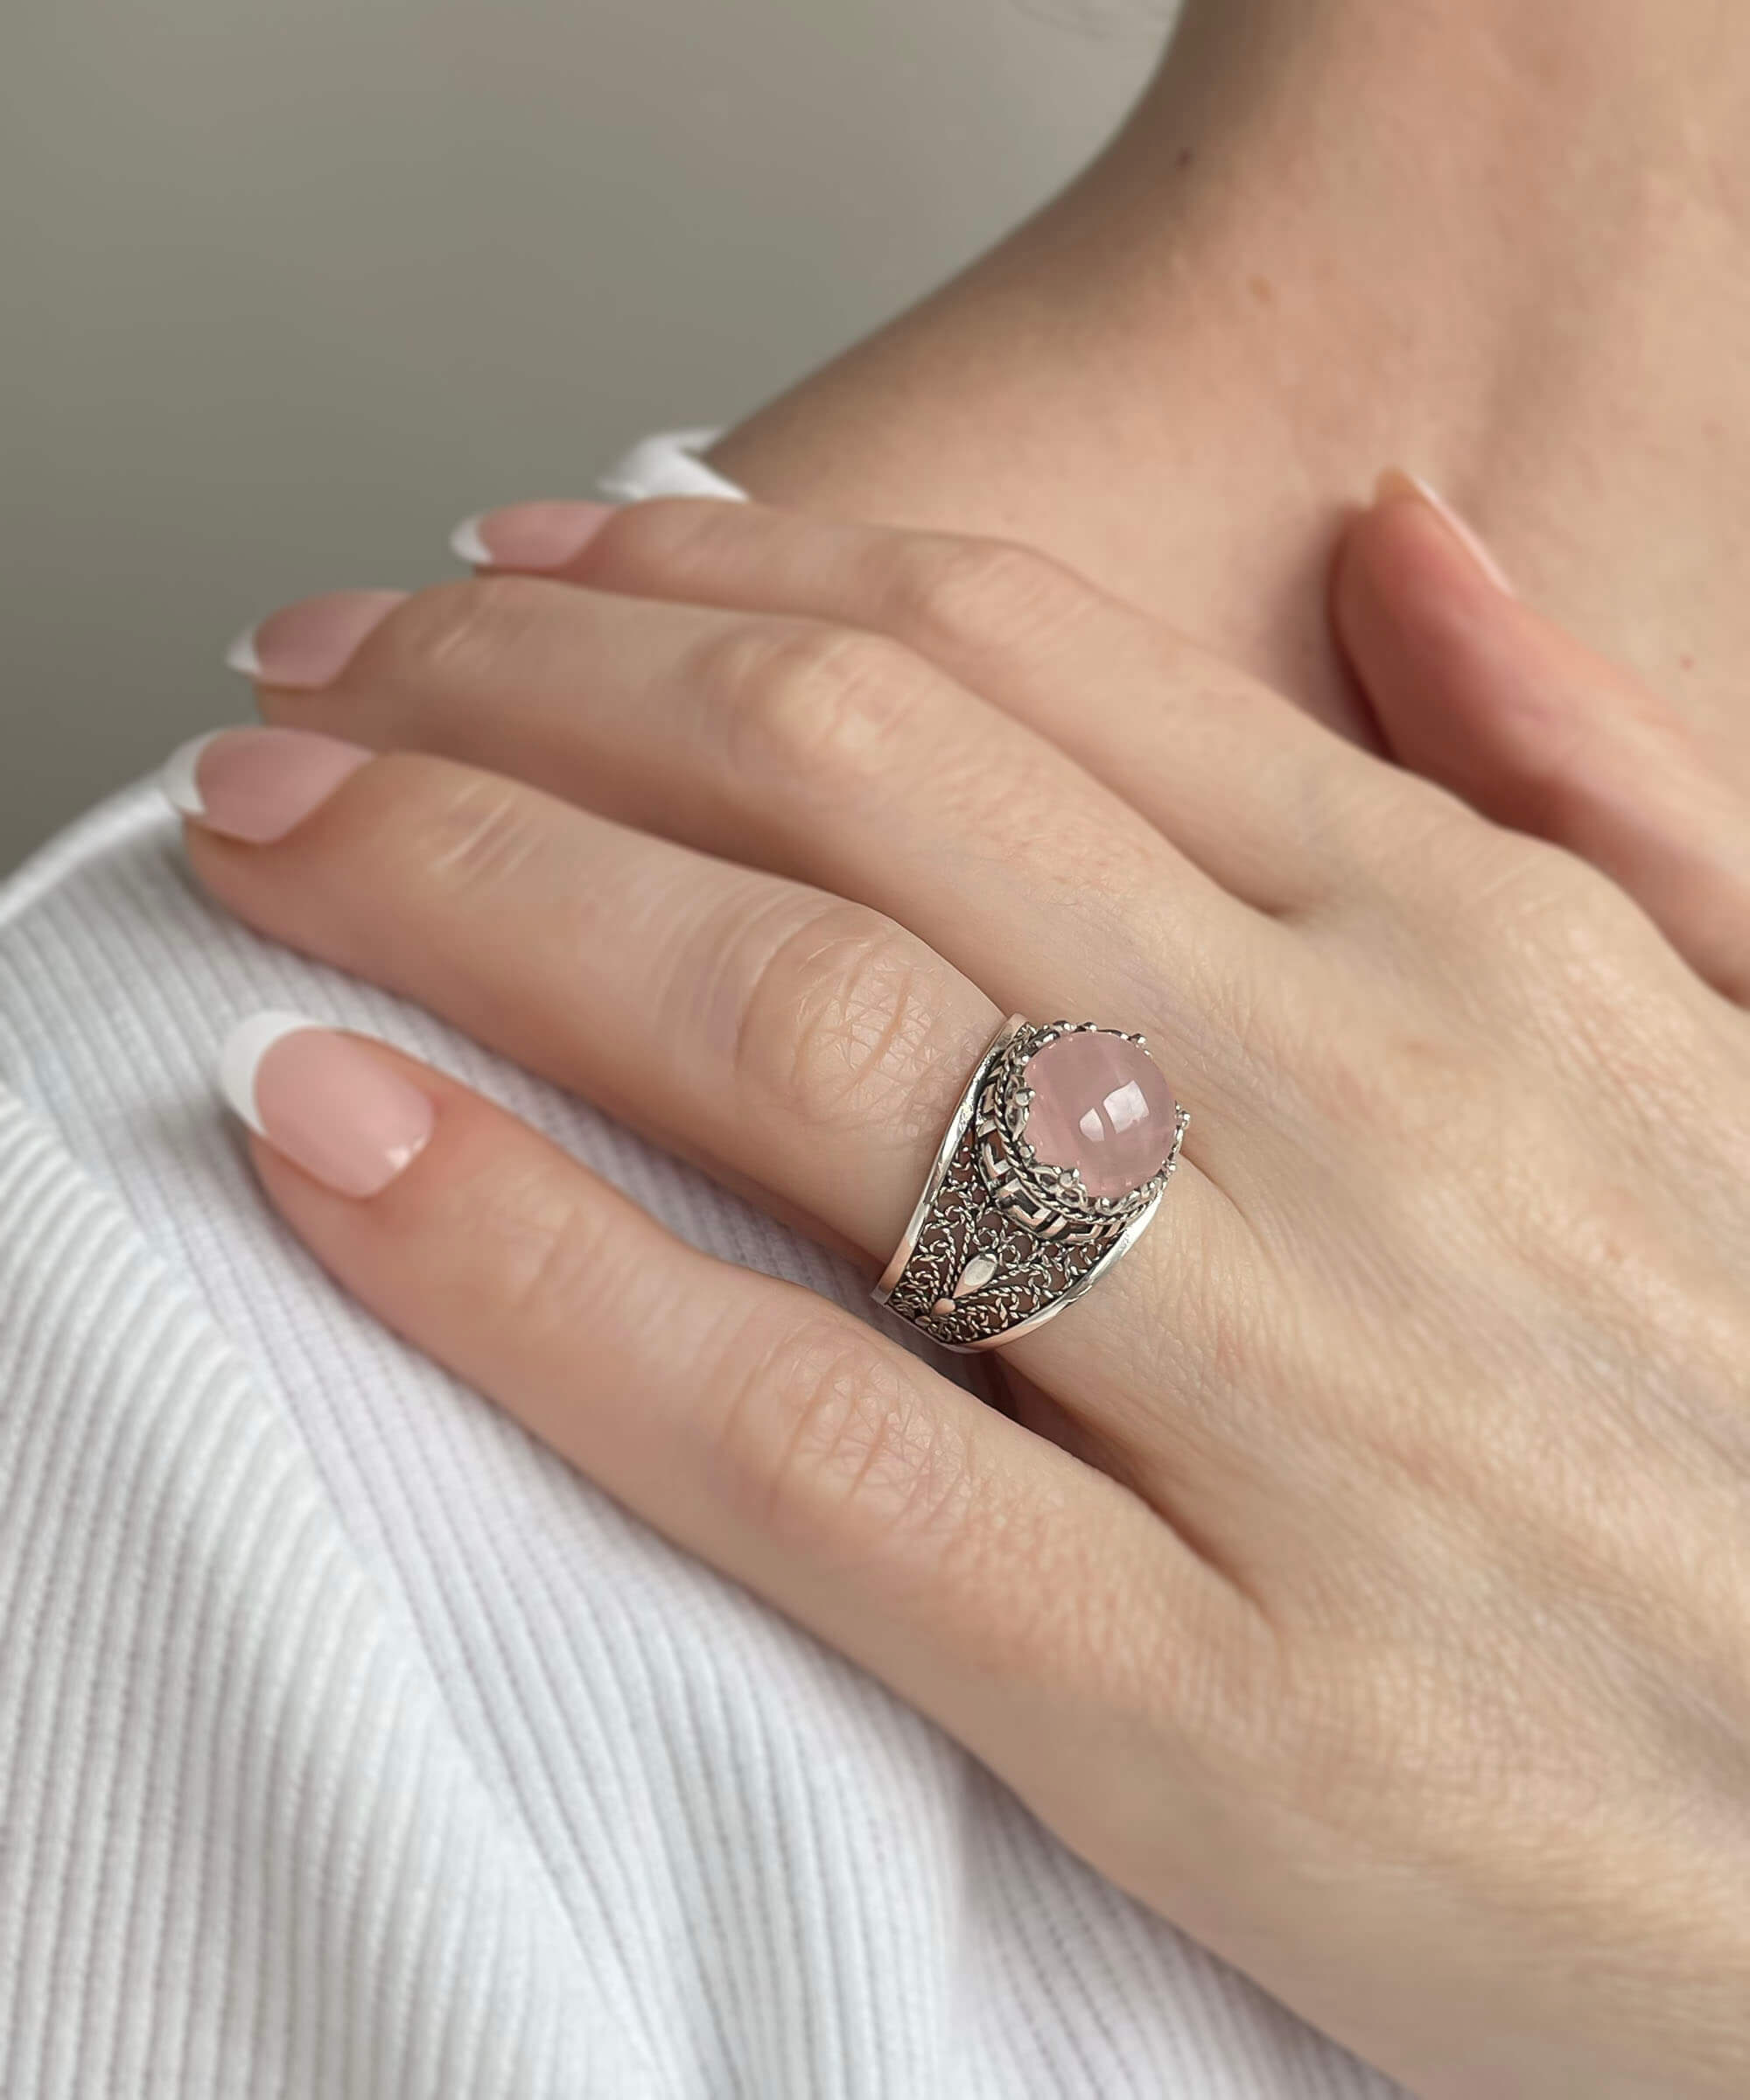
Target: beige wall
[{"x": 291, "y": 284}]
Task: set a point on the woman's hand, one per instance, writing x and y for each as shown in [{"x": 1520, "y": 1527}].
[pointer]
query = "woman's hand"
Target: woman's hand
[{"x": 1377, "y": 1604}]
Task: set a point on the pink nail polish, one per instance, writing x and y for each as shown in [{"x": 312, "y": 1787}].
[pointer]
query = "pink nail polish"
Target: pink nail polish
[
  {"x": 308, "y": 645},
  {"x": 1396, "y": 482},
  {"x": 329, "y": 1103},
  {"x": 256, "y": 784},
  {"x": 529, "y": 535}
]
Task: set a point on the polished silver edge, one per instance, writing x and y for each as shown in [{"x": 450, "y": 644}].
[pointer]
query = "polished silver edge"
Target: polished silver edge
[{"x": 945, "y": 1151}]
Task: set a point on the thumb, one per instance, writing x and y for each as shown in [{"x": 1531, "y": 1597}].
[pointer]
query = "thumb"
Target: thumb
[{"x": 1474, "y": 690}]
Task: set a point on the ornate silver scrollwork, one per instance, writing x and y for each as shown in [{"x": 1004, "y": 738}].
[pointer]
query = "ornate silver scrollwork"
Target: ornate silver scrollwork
[{"x": 1001, "y": 1241}]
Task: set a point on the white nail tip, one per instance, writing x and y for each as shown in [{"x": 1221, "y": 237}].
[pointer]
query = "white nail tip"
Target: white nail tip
[
  {"x": 241, "y": 1058},
  {"x": 241, "y": 656},
  {"x": 467, "y": 544},
  {"x": 178, "y": 780},
  {"x": 1480, "y": 552}
]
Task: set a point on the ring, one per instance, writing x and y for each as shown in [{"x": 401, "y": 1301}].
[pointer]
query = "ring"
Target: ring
[{"x": 1055, "y": 1160}]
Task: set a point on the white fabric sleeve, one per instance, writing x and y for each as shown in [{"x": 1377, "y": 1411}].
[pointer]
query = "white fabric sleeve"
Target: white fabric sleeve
[
  {"x": 671, "y": 463},
  {"x": 353, "y": 1747}
]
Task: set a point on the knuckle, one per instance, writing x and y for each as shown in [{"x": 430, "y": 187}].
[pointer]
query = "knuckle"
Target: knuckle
[
  {"x": 462, "y": 633},
  {"x": 655, "y": 544},
  {"x": 1523, "y": 883},
  {"x": 1535, "y": 913},
  {"x": 821, "y": 703},
  {"x": 546, "y": 1254},
  {"x": 828, "y": 1446},
  {"x": 850, "y": 1024},
  {"x": 1409, "y": 842},
  {"x": 1503, "y": 911},
  {"x": 478, "y": 835},
  {"x": 956, "y": 595}
]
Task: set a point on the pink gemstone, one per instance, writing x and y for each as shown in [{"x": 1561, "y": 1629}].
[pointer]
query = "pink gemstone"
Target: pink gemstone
[{"x": 1100, "y": 1104}]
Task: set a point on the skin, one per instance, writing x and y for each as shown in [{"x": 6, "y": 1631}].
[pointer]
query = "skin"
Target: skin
[
  {"x": 1359, "y": 1578},
  {"x": 1505, "y": 243}
]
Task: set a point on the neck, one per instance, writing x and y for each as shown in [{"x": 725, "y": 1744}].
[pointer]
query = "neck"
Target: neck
[{"x": 1507, "y": 244}]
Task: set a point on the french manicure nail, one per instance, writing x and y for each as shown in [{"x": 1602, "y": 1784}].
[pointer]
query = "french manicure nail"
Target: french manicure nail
[
  {"x": 529, "y": 535},
  {"x": 329, "y": 1103},
  {"x": 256, "y": 784},
  {"x": 1396, "y": 482},
  {"x": 308, "y": 645}
]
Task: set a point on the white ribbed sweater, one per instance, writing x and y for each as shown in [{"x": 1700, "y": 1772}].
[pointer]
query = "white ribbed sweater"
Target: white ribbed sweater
[{"x": 352, "y": 1747}]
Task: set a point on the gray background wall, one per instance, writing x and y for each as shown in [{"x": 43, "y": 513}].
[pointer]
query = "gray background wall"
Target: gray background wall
[{"x": 286, "y": 286}]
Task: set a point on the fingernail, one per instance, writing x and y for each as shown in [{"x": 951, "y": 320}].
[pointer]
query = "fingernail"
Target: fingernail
[
  {"x": 1396, "y": 482},
  {"x": 310, "y": 644},
  {"x": 529, "y": 535},
  {"x": 329, "y": 1103},
  {"x": 256, "y": 784}
]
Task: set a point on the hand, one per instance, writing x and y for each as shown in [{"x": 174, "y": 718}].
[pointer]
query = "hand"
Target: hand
[{"x": 1378, "y": 1606}]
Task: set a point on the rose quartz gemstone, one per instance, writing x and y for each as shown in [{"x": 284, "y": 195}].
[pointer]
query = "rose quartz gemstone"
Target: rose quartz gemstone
[{"x": 1100, "y": 1104}]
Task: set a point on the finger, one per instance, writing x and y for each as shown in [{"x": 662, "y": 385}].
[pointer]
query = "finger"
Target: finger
[
  {"x": 1034, "y": 1608},
  {"x": 1477, "y": 691},
  {"x": 833, "y": 757},
  {"x": 792, "y": 1042},
  {"x": 1255, "y": 792}
]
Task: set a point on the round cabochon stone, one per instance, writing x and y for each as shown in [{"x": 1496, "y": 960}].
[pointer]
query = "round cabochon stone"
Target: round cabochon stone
[{"x": 1099, "y": 1104}]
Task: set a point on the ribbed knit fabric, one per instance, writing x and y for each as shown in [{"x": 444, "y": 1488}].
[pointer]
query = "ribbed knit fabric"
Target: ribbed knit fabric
[{"x": 353, "y": 1747}]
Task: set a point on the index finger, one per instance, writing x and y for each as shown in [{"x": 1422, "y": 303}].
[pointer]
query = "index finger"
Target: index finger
[{"x": 1259, "y": 796}]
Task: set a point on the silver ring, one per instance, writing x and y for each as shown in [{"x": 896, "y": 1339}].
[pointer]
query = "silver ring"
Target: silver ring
[{"x": 1010, "y": 1229}]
